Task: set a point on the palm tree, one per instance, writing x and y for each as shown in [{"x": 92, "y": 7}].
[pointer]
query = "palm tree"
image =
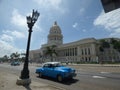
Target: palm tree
[
  {"x": 22, "y": 57},
  {"x": 15, "y": 56},
  {"x": 51, "y": 51}
]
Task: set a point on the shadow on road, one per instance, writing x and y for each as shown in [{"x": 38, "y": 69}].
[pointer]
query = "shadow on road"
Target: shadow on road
[
  {"x": 27, "y": 87},
  {"x": 66, "y": 81},
  {"x": 69, "y": 81}
]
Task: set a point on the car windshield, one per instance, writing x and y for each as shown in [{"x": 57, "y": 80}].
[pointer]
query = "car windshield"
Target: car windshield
[{"x": 57, "y": 65}]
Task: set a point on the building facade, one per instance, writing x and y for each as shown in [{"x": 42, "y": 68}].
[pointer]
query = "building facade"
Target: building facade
[{"x": 85, "y": 50}]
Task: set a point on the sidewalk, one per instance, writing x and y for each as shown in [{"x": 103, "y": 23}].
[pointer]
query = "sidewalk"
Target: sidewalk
[{"x": 8, "y": 82}]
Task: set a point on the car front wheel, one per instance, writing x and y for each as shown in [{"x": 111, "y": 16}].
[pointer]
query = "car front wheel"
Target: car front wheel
[{"x": 59, "y": 78}]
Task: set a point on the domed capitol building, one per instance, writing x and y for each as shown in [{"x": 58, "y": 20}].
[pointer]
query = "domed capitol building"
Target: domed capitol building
[{"x": 85, "y": 50}]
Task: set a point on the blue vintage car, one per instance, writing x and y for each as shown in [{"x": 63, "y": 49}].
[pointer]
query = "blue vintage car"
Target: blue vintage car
[
  {"x": 15, "y": 63},
  {"x": 56, "y": 70}
]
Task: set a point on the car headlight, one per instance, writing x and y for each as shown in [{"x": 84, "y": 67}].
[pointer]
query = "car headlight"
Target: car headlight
[{"x": 73, "y": 70}]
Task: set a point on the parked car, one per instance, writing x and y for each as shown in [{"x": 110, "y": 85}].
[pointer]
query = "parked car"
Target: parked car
[
  {"x": 56, "y": 70},
  {"x": 15, "y": 63}
]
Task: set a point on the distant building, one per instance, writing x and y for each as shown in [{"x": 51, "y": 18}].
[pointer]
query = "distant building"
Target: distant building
[{"x": 85, "y": 50}]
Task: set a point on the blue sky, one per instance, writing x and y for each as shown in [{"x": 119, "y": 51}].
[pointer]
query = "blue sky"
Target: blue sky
[{"x": 78, "y": 19}]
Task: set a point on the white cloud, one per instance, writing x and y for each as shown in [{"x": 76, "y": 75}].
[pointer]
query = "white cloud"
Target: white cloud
[
  {"x": 75, "y": 25},
  {"x": 18, "y": 34},
  {"x": 47, "y": 3},
  {"x": 50, "y": 4},
  {"x": 110, "y": 21},
  {"x": 18, "y": 19},
  {"x": 6, "y": 48},
  {"x": 9, "y": 38},
  {"x": 7, "y": 42},
  {"x": 6, "y": 38},
  {"x": 14, "y": 34},
  {"x": 82, "y": 10}
]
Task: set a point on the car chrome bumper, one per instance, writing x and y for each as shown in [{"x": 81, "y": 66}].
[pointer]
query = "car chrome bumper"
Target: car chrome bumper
[{"x": 71, "y": 75}]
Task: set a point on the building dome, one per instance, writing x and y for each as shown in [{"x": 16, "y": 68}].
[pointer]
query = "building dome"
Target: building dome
[
  {"x": 55, "y": 36},
  {"x": 55, "y": 29}
]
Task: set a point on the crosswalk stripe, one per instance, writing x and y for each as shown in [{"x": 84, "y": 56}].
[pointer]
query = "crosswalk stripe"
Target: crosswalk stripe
[{"x": 98, "y": 77}]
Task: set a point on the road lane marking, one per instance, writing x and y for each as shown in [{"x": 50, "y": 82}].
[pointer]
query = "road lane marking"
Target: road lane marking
[
  {"x": 105, "y": 72},
  {"x": 98, "y": 77}
]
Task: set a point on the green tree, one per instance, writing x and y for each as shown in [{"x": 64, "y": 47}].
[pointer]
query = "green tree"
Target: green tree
[
  {"x": 105, "y": 44},
  {"x": 51, "y": 51},
  {"x": 116, "y": 44},
  {"x": 15, "y": 56},
  {"x": 5, "y": 58},
  {"x": 22, "y": 57},
  {"x": 101, "y": 48}
]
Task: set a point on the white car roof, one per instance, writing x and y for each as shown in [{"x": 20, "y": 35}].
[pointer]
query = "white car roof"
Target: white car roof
[{"x": 52, "y": 63}]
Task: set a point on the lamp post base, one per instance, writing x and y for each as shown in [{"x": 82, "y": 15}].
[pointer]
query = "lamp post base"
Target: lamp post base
[{"x": 23, "y": 81}]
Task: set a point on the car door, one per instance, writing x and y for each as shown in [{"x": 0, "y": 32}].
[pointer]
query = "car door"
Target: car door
[
  {"x": 46, "y": 70},
  {"x": 51, "y": 71}
]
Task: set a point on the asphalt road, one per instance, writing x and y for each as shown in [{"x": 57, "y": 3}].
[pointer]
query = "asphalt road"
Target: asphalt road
[{"x": 85, "y": 80}]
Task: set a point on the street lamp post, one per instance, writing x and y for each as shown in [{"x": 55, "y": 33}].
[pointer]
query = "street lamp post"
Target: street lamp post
[{"x": 24, "y": 78}]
